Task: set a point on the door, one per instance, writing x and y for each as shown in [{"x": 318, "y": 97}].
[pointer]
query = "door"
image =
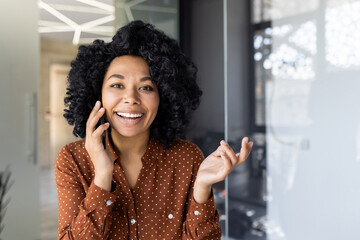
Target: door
[{"x": 19, "y": 74}]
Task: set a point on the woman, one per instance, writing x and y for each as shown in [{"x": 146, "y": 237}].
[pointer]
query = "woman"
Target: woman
[{"x": 141, "y": 181}]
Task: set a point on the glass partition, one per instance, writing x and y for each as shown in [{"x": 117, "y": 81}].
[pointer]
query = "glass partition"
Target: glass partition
[
  {"x": 313, "y": 165},
  {"x": 311, "y": 122},
  {"x": 302, "y": 178}
]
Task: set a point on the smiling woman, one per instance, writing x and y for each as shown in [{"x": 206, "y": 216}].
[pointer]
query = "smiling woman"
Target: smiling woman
[{"x": 144, "y": 182}]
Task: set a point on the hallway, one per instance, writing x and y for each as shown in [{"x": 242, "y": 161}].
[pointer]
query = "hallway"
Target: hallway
[{"x": 48, "y": 198}]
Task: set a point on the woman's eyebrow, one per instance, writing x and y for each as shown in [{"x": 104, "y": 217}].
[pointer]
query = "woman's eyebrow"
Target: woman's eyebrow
[
  {"x": 143, "y": 79},
  {"x": 116, "y": 76}
]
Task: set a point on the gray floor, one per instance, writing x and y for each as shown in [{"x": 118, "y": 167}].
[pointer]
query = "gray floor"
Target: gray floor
[{"x": 49, "y": 207}]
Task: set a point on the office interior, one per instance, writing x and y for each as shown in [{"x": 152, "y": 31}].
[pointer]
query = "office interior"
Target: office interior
[{"x": 284, "y": 73}]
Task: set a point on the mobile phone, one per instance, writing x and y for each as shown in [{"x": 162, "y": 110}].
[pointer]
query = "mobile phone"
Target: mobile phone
[{"x": 103, "y": 135}]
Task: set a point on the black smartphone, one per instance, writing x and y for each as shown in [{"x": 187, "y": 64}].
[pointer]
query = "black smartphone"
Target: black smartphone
[{"x": 103, "y": 135}]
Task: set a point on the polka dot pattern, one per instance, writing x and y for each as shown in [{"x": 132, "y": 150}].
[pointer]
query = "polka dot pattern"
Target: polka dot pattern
[{"x": 160, "y": 206}]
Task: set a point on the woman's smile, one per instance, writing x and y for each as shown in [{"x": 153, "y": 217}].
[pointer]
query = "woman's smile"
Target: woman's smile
[{"x": 129, "y": 119}]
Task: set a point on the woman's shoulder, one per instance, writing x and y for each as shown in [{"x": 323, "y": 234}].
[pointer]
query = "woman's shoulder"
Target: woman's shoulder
[
  {"x": 76, "y": 145},
  {"x": 73, "y": 150}
]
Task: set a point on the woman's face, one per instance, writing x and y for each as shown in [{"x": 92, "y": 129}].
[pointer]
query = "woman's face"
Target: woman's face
[{"x": 129, "y": 97}]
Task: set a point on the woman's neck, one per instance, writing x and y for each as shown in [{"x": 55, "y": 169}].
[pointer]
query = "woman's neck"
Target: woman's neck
[{"x": 130, "y": 146}]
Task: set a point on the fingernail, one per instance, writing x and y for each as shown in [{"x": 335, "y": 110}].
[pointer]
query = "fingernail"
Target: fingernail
[
  {"x": 101, "y": 109},
  {"x": 223, "y": 143},
  {"x": 97, "y": 103}
]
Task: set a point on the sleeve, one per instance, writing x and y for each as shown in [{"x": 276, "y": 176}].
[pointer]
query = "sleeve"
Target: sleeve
[
  {"x": 81, "y": 215},
  {"x": 202, "y": 220}
]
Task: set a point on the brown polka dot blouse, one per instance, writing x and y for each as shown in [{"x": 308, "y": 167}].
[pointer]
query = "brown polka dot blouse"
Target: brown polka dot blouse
[{"x": 161, "y": 205}]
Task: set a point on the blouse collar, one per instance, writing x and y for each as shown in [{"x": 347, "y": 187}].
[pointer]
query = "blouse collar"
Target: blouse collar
[{"x": 149, "y": 156}]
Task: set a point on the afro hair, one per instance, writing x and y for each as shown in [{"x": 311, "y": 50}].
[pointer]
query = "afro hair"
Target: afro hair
[{"x": 171, "y": 71}]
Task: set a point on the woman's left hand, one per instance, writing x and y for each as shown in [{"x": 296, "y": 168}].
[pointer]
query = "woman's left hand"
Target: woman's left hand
[{"x": 217, "y": 166}]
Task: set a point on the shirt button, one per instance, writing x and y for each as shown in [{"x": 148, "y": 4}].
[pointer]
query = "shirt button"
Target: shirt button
[
  {"x": 170, "y": 216},
  {"x": 196, "y": 212},
  {"x": 133, "y": 221},
  {"x": 108, "y": 202}
]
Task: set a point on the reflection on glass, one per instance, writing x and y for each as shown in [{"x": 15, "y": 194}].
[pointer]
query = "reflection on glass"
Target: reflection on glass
[
  {"x": 293, "y": 58},
  {"x": 342, "y": 24},
  {"x": 269, "y": 10},
  {"x": 305, "y": 37},
  {"x": 288, "y": 62},
  {"x": 262, "y": 47},
  {"x": 314, "y": 70},
  {"x": 164, "y": 14}
]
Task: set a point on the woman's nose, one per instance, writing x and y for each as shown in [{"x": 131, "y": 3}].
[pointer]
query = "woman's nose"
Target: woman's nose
[{"x": 131, "y": 96}]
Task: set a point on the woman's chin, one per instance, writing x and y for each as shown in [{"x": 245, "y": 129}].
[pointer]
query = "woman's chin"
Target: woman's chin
[{"x": 129, "y": 133}]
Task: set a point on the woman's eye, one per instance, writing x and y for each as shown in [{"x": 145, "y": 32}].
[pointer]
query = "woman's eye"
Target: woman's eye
[
  {"x": 147, "y": 88},
  {"x": 117, "y": 86}
]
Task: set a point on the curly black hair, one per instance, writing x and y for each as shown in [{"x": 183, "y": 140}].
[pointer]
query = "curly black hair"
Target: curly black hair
[{"x": 173, "y": 73}]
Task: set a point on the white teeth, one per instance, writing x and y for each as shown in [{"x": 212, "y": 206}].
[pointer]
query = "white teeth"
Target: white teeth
[{"x": 130, "y": 115}]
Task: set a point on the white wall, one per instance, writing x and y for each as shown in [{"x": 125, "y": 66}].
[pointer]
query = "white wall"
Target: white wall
[{"x": 19, "y": 74}]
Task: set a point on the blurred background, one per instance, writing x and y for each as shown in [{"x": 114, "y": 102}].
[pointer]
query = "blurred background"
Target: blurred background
[{"x": 285, "y": 73}]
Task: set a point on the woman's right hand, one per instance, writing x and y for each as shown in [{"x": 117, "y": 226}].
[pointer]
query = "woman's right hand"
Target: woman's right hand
[{"x": 101, "y": 159}]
